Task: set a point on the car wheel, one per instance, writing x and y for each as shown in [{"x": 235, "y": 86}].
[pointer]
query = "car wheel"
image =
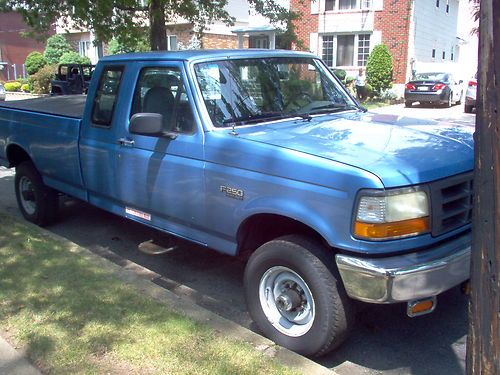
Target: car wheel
[
  {"x": 37, "y": 202},
  {"x": 408, "y": 104},
  {"x": 295, "y": 298},
  {"x": 459, "y": 101},
  {"x": 449, "y": 102},
  {"x": 468, "y": 108}
]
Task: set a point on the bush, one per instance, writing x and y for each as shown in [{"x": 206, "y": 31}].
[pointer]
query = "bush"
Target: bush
[
  {"x": 25, "y": 88},
  {"x": 40, "y": 81},
  {"x": 379, "y": 68},
  {"x": 340, "y": 74},
  {"x": 12, "y": 86},
  {"x": 34, "y": 62},
  {"x": 56, "y": 46},
  {"x": 349, "y": 80},
  {"x": 370, "y": 92},
  {"x": 73, "y": 58}
]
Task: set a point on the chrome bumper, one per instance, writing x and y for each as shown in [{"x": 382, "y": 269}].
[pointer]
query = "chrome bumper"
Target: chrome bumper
[{"x": 406, "y": 277}]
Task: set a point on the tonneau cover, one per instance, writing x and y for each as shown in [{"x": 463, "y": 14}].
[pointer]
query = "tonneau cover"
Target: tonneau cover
[{"x": 67, "y": 105}]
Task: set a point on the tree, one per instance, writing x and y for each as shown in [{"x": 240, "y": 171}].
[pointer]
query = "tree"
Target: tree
[
  {"x": 34, "y": 62},
  {"x": 483, "y": 344},
  {"x": 127, "y": 19},
  {"x": 379, "y": 68},
  {"x": 73, "y": 58},
  {"x": 116, "y": 46},
  {"x": 56, "y": 46}
]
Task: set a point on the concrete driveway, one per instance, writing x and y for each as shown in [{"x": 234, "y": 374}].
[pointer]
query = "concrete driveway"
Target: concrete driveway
[{"x": 384, "y": 341}]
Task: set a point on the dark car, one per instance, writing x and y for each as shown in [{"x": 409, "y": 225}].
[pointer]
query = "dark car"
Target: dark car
[
  {"x": 433, "y": 88},
  {"x": 72, "y": 79}
]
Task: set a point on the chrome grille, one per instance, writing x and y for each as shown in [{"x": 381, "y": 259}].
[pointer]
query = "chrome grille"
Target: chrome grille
[{"x": 451, "y": 201}]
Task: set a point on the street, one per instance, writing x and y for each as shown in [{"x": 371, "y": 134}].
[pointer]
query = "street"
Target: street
[{"x": 385, "y": 340}]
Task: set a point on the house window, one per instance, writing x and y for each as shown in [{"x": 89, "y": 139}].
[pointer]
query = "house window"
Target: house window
[
  {"x": 452, "y": 54},
  {"x": 327, "y": 53},
  {"x": 437, "y": 3},
  {"x": 433, "y": 53},
  {"x": 366, "y": 4},
  {"x": 363, "y": 48},
  {"x": 329, "y": 4},
  {"x": 345, "y": 50},
  {"x": 444, "y": 55},
  {"x": 347, "y": 4},
  {"x": 84, "y": 47},
  {"x": 447, "y": 6},
  {"x": 172, "y": 42}
]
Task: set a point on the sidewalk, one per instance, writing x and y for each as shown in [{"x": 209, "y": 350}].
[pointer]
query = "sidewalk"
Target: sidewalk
[{"x": 13, "y": 363}]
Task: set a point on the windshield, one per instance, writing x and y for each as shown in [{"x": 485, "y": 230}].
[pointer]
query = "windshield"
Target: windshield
[
  {"x": 239, "y": 92},
  {"x": 431, "y": 76}
]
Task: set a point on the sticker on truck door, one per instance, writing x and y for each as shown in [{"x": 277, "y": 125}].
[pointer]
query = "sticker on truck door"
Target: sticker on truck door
[{"x": 137, "y": 213}]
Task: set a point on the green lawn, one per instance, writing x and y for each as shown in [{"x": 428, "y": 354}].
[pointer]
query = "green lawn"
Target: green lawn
[{"x": 74, "y": 317}]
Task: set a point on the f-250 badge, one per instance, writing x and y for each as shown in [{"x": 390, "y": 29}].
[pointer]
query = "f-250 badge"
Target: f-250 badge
[{"x": 232, "y": 192}]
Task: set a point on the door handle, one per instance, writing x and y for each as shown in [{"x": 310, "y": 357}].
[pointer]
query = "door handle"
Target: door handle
[{"x": 126, "y": 142}]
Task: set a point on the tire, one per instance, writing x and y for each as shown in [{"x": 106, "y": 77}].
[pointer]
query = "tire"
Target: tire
[
  {"x": 37, "y": 202},
  {"x": 408, "y": 104},
  {"x": 468, "y": 108},
  {"x": 459, "y": 101},
  {"x": 449, "y": 103},
  {"x": 321, "y": 314}
]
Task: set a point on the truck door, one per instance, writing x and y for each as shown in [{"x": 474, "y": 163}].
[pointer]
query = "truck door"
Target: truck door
[{"x": 155, "y": 180}]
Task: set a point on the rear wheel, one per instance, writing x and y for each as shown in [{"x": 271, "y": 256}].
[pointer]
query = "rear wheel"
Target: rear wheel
[
  {"x": 408, "y": 104},
  {"x": 295, "y": 298},
  {"x": 449, "y": 103},
  {"x": 468, "y": 108},
  {"x": 37, "y": 202}
]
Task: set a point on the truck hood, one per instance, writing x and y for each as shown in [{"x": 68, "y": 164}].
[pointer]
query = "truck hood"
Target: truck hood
[{"x": 399, "y": 150}]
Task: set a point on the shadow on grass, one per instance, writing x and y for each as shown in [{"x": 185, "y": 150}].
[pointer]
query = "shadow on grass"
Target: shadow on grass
[{"x": 68, "y": 312}]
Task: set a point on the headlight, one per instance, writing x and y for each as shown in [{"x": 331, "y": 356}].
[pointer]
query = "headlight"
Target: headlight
[{"x": 391, "y": 214}]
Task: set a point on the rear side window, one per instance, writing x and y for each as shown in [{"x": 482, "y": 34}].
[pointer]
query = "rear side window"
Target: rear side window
[{"x": 107, "y": 93}]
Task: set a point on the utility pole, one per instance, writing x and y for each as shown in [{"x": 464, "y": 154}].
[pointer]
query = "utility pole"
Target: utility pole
[{"x": 483, "y": 345}]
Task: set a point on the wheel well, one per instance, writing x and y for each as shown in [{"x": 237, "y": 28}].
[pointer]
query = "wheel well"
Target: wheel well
[
  {"x": 259, "y": 229},
  {"x": 16, "y": 155}
]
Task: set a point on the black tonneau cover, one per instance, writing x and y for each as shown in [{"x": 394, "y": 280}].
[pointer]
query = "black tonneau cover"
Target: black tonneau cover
[{"x": 69, "y": 105}]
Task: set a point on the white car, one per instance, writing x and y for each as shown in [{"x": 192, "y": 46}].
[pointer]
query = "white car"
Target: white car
[
  {"x": 470, "y": 95},
  {"x": 2, "y": 92}
]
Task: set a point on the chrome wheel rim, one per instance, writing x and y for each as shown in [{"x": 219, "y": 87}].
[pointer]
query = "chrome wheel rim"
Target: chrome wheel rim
[
  {"x": 27, "y": 195},
  {"x": 287, "y": 301}
]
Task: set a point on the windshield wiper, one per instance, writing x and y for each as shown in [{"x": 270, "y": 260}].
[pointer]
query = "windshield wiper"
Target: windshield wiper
[
  {"x": 261, "y": 117},
  {"x": 331, "y": 108}
]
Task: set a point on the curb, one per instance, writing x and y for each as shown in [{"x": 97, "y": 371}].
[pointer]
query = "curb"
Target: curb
[{"x": 140, "y": 277}]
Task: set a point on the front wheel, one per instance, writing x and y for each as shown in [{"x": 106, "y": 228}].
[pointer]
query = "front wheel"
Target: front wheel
[
  {"x": 37, "y": 202},
  {"x": 295, "y": 298}
]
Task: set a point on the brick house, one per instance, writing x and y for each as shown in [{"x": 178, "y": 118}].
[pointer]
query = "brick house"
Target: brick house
[
  {"x": 419, "y": 34},
  {"x": 14, "y": 47}
]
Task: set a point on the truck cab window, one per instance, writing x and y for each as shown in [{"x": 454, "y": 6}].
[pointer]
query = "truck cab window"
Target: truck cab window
[
  {"x": 161, "y": 90},
  {"x": 105, "y": 98}
]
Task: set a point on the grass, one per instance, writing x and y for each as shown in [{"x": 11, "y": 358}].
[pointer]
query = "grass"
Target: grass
[{"x": 74, "y": 317}]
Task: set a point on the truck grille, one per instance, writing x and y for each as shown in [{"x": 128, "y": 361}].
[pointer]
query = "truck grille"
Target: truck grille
[{"x": 451, "y": 203}]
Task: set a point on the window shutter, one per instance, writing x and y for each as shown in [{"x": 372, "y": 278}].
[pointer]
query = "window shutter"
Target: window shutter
[{"x": 313, "y": 43}]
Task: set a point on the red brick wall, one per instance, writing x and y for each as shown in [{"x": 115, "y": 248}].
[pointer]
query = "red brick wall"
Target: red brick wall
[
  {"x": 218, "y": 41},
  {"x": 306, "y": 23},
  {"x": 13, "y": 47},
  {"x": 394, "y": 22}
]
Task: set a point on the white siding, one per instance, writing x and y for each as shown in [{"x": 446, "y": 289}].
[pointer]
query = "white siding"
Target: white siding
[{"x": 433, "y": 28}]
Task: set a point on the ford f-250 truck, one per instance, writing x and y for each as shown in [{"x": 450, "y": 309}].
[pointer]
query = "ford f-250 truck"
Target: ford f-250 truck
[{"x": 262, "y": 154}]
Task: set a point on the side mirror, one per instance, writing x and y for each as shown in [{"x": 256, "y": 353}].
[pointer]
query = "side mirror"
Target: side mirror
[
  {"x": 150, "y": 125},
  {"x": 461, "y": 81}
]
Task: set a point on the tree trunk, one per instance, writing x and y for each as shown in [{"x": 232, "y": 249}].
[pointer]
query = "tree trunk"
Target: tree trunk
[
  {"x": 158, "y": 36},
  {"x": 484, "y": 309}
]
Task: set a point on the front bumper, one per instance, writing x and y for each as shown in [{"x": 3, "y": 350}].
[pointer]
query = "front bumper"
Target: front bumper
[{"x": 406, "y": 277}]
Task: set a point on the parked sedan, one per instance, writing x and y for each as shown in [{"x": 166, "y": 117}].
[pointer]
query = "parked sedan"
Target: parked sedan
[
  {"x": 433, "y": 88},
  {"x": 470, "y": 95},
  {"x": 2, "y": 92}
]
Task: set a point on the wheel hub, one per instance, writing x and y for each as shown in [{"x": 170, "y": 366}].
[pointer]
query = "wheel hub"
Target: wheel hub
[{"x": 289, "y": 300}]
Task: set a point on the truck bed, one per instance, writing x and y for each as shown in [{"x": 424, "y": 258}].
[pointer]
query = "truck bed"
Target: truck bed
[{"x": 68, "y": 105}]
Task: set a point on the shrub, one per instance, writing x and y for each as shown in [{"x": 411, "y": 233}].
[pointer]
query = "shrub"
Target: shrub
[
  {"x": 349, "y": 80},
  {"x": 25, "y": 88},
  {"x": 12, "y": 86},
  {"x": 34, "y": 62},
  {"x": 40, "y": 81},
  {"x": 379, "y": 68},
  {"x": 56, "y": 46},
  {"x": 370, "y": 92},
  {"x": 73, "y": 58},
  {"x": 340, "y": 74}
]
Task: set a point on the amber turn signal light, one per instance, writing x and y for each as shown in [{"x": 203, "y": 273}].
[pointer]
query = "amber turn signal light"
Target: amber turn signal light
[{"x": 381, "y": 231}]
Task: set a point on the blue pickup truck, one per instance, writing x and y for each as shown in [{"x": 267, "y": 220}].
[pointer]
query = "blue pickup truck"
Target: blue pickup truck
[{"x": 265, "y": 155}]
